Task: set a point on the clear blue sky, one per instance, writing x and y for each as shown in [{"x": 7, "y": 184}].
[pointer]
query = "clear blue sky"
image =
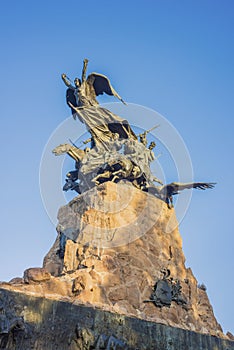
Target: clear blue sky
[{"x": 175, "y": 57}]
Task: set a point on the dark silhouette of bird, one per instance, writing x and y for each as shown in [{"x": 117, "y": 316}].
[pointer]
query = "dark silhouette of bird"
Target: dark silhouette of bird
[{"x": 166, "y": 192}]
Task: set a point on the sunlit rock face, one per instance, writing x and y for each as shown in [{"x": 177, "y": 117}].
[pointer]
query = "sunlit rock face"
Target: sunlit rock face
[{"x": 116, "y": 246}]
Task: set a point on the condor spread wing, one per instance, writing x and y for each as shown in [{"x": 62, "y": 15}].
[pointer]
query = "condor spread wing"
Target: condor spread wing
[
  {"x": 102, "y": 84},
  {"x": 175, "y": 187}
]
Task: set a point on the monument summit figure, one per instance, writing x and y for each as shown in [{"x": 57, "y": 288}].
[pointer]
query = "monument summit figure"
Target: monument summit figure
[
  {"x": 100, "y": 122},
  {"x": 115, "y": 153}
]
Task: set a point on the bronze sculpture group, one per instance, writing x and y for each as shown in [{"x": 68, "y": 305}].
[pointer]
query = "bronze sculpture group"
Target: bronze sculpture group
[{"x": 115, "y": 152}]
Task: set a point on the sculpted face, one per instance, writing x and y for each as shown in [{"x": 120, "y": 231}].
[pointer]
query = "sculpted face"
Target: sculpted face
[{"x": 77, "y": 82}]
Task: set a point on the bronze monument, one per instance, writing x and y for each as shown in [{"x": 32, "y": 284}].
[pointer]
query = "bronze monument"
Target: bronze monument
[{"x": 115, "y": 152}]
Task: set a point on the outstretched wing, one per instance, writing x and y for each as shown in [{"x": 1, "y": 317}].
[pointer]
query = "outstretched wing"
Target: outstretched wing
[
  {"x": 200, "y": 185},
  {"x": 102, "y": 84}
]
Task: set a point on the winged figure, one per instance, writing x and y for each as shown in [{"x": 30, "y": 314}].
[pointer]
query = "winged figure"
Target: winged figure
[
  {"x": 83, "y": 93},
  {"x": 100, "y": 122},
  {"x": 101, "y": 84},
  {"x": 167, "y": 191}
]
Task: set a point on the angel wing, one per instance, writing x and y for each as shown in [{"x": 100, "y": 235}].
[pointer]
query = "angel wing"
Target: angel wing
[{"x": 102, "y": 84}]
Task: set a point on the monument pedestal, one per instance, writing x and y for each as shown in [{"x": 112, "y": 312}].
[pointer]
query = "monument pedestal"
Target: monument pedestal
[
  {"x": 121, "y": 241},
  {"x": 105, "y": 276},
  {"x": 64, "y": 325}
]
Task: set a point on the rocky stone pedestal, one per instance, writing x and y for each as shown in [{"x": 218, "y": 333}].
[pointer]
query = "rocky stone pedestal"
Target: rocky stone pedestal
[{"x": 117, "y": 270}]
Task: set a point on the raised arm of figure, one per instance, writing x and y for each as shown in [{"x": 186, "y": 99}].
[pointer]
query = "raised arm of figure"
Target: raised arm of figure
[
  {"x": 84, "y": 70},
  {"x": 67, "y": 82}
]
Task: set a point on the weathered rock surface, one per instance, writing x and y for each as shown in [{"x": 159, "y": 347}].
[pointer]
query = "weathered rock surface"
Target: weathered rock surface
[
  {"x": 114, "y": 243},
  {"x": 36, "y": 275},
  {"x": 46, "y": 324}
]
